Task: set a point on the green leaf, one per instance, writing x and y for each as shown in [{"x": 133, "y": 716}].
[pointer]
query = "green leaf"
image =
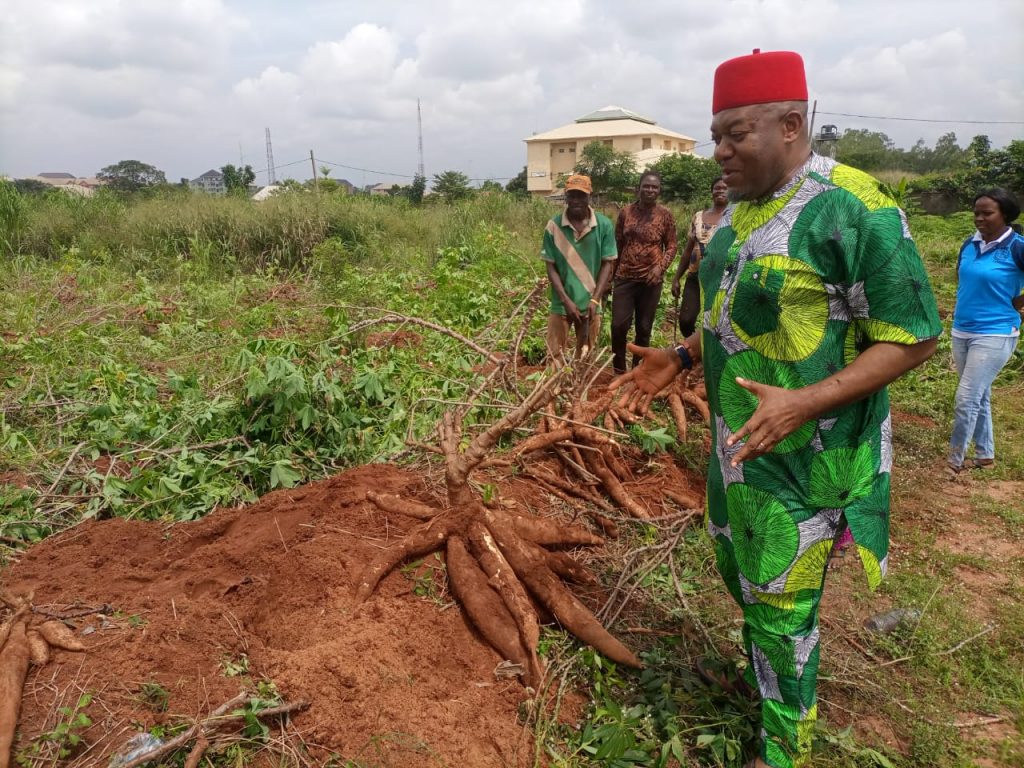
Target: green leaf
[{"x": 282, "y": 475}]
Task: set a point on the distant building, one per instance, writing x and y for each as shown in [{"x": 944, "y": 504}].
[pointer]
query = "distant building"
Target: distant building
[
  {"x": 385, "y": 188},
  {"x": 266, "y": 192},
  {"x": 84, "y": 186},
  {"x": 211, "y": 182},
  {"x": 553, "y": 154},
  {"x": 56, "y": 179}
]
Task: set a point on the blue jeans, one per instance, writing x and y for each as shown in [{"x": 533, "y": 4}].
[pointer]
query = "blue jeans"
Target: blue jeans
[{"x": 978, "y": 361}]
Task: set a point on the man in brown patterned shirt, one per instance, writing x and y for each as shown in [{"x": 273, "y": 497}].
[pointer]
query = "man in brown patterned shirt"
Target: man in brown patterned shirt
[{"x": 645, "y": 234}]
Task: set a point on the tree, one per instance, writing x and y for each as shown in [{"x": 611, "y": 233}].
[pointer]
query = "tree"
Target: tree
[
  {"x": 491, "y": 186},
  {"x": 237, "y": 180},
  {"x": 978, "y": 150},
  {"x": 130, "y": 176},
  {"x": 415, "y": 190},
  {"x": 31, "y": 187},
  {"x": 686, "y": 178},
  {"x": 1008, "y": 167},
  {"x": 864, "y": 149},
  {"x": 451, "y": 186},
  {"x": 517, "y": 185},
  {"x": 613, "y": 174},
  {"x": 947, "y": 154}
]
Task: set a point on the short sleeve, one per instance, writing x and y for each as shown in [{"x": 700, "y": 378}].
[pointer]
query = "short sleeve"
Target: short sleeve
[
  {"x": 609, "y": 249},
  {"x": 547, "y": 247},
  {"x": 868, "y": 261},
  {"x": 1017, "y": 251}
]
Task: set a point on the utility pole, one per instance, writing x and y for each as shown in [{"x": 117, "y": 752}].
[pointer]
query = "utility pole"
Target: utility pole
[
  {"x": 312, "y": 162},
  {"x": 419, "y": 128},
  {"x": 271, "y": 173},
  {"x": 814, "y": 112}
]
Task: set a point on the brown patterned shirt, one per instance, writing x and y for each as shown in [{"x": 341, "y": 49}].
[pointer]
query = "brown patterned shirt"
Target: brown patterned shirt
[{"x": 646, "y": 239}]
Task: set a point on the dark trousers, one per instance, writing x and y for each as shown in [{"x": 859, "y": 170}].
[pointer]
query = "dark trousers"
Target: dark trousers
[
  {"x": 632, "y": 299},
  {"x": 689, "y": 308}
]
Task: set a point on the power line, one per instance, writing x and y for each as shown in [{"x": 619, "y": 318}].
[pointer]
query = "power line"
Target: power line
[
  {"x": 368, "y": 170},
  {"x": 924, "y": 119},
  {"x": 406, "y": 175}
]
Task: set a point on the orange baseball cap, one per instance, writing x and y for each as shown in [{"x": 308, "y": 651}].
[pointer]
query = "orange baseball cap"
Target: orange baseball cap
[{"x": 580, "y": 182}]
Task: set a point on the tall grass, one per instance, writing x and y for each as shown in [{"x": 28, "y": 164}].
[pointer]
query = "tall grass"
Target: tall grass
[{"x": 284, "y": 231}]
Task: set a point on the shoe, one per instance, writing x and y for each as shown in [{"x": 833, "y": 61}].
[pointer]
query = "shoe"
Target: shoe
[
  {"x": 730, "y": 683},
  {"x": 953, "y": 470},
  {"x": 981, "y": 464}
]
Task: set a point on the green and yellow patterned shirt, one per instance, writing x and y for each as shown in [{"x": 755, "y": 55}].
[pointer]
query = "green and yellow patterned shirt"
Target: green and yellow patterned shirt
[{"x": 794, "y": 288}]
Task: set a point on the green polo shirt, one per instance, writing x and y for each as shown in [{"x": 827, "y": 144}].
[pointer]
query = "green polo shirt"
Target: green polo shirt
[{"x": 578, "y": 260}]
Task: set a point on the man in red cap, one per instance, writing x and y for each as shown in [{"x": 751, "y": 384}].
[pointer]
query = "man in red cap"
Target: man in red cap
[
  {"x": 579, "y": 248},
  {"x": 815, "y": 299}
]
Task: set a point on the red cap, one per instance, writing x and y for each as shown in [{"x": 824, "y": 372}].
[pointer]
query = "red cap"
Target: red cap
[{"x": 759, "y": 78}]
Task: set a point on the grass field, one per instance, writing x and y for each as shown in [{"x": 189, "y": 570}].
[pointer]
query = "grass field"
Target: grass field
[{"x": 160, "y": 359}]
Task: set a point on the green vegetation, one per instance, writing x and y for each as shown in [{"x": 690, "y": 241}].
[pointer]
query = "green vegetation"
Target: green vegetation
[
  {"x": 131, "y": 176},
  {"x": 947, "y": 168},
  {"x": 237, "y": 180},
  {"x": 164, "y": 356},
  {"x": 63, "y": 740}
]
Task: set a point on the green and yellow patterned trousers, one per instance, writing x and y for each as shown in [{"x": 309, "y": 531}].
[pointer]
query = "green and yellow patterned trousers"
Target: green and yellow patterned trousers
[{"x": 780, "y": 635}]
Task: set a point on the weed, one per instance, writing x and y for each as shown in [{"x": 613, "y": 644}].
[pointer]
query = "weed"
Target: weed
[
  {"x": 64, "y": 739},
  {"x": 653, "y": 440},
  {"x": 429, "y": 579},
  {"x": 154, "y": 696},
  {"x": 235, "y": 667}
]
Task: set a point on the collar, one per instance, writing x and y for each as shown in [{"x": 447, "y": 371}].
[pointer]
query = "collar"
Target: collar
[
  {"x": 590, "y": 224},
  {"x": 984, "y": 247}
]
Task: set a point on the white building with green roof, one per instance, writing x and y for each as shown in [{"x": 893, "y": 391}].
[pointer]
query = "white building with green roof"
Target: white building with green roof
[{"x": 552, "y": 154}]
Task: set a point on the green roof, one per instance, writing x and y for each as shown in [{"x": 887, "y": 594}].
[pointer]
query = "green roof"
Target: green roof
[{"x": 613, "y": 113}]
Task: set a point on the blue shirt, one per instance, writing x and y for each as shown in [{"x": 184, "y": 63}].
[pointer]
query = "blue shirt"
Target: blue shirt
[{"x": 989, "y": 281}]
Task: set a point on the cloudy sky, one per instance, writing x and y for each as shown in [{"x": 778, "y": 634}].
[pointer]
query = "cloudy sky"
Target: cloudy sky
[{"x": 188, "y": 85}]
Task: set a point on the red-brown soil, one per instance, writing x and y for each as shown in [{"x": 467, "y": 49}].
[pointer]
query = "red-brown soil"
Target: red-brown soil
[
  {"x": 394, "y": 681},
  {"x": 400, "y": 680}
]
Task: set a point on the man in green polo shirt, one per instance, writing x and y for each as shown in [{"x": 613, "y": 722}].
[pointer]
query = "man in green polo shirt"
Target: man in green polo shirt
[{"x": 579, "y": 248}]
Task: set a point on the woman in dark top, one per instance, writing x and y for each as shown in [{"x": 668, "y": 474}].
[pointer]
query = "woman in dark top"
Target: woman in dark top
[{"x": 701, "y": 229}]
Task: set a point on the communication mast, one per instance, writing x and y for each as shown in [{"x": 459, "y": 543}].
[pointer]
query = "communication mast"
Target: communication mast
[
  {"x": 419, "y": 126},
  {"x": 271, "y": 174}
]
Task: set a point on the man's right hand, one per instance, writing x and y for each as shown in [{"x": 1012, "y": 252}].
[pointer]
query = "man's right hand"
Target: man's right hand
[
  {"x": 658, "y": 368},
  {"x": 675, "y": 288},
  {"x": 572, "y": 314}
]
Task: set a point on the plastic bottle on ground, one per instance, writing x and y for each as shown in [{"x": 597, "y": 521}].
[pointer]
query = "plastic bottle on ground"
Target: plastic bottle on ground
[
  {"x": 884, "y": 623},
  {"x": 137, "y": 746}
]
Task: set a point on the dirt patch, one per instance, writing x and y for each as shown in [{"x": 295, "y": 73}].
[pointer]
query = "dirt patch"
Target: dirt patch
[
  {"x": 65, "y": 290},
  {"x": 964, "y": 535},
  {"x": 273, "y": 582},
  {"x": 978, "y": 581},
  {"x": 396, "y": 339},
  {"x": 1006, "y": 491},
  {"x": 17, "y": 479},
  {"x": 879, "y": 732},
  {"x": 279, "y": 293},
  {"x": 925, "y": 422}
]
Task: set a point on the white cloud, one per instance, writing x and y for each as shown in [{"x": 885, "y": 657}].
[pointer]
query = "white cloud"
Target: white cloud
[{"x": 182, "y": 83}]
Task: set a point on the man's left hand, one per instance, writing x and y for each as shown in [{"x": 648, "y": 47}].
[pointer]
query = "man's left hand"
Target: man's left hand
[{"x": 778, "y": 414}]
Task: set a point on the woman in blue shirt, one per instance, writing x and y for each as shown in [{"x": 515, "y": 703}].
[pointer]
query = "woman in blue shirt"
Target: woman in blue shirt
[{"x": 986, "y": 322}]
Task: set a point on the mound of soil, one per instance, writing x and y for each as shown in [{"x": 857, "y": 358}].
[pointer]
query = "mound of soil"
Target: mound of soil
[{"x": 399, "y": 680}]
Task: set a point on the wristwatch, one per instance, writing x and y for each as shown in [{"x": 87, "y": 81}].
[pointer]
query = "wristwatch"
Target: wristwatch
[{"x": 683, "y": 350}]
